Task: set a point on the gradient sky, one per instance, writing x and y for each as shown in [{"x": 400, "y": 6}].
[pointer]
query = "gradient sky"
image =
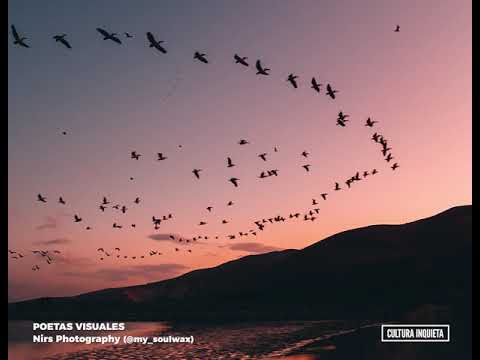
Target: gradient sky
[{"x": 114, "y": 99}]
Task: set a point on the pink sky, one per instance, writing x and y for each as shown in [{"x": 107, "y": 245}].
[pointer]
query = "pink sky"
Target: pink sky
[{"x": 416, "y": 84}]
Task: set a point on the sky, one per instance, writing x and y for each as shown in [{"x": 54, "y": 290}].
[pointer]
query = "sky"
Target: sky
[{"x": 113, "y": 99}]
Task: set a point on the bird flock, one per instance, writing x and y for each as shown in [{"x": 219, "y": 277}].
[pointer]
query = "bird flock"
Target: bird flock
[{"x": 310, "y": 214}]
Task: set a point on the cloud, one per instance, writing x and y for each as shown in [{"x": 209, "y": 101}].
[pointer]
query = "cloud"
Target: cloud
[
  {"x": 147, "y": 272},
  {"x": 166, "y": 237},
  {"x": 59, "y": 241},
  {"x": 50, "y": 223},
  {"x": 252, "y": 247}
]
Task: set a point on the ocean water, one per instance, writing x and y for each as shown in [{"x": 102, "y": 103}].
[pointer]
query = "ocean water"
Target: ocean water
[{"x": 251, "y": 340}]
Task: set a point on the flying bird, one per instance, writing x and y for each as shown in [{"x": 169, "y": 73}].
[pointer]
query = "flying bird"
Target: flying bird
[
  {"x": 62, "y": 40},
  {"x": 200, "y": 57},
  {"x": 337, "y": 186},
  {"x": 229, "y": 162},
  {"x": 260, "y": 69},
  {"x": 324, "y": 196},
  {"x": 292, "y": 79},
  {"x": 134, "y": 155},
  {"x": 41, "y": 198},
  {"x": 263, "y": 156},
  {"x": 306, "y": 167},
  {"x": 370, "y": 123},
  {"x": 137, "y": 200},
  {"x": 61, "y": 201},
  {"x": 109, "y": 36},
  {"x": 389, "y": 157},
  {"x": 374, "y": 171},
  {"x": 240, "y": 60},
  {"x": 101, "y": 207},
  {"x": 305, "y": 154},
  {"x": 18, "y": 40},
  {"x": 395, "y": 166},
  {"x": 127, "y": 35},
  {"x": 196, "y": 172},
  {"x": 77, "y": 218},
  {"x": 209, "y": 208},
  {"x": 155, "y": 44},
  {"x": 230, "y": 203},
  {"x": 161, "y": 157},
  {"x": 397, "y": 29},
  {"x": 234, "y": 181},
  {"x": 243, "y": 142},
  {"x": 315, "y": 86},
  {"x": 331, "y": 92}
]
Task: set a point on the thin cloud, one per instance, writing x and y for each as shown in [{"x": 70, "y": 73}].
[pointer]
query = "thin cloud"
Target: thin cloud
[
  {"x": 252, "y": 247},
  {"x": 50, "y": 223},
  {"x": 59, "y": 241}
]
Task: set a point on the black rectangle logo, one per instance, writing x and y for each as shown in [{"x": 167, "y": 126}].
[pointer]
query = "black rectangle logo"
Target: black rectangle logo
[{"x": 416, "y": 333}]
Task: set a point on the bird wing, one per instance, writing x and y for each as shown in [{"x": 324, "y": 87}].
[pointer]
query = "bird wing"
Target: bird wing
[
  {"x": 15, "y": 33},
  {"x": 151, "y": 38},
  {"x": 66, "y": 43},
  {"x": 103, "y": 32},
  {"x": 117, "y": 40}
]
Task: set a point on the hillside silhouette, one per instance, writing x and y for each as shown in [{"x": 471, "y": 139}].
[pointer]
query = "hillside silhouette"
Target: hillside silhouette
[{"x": 374, "y": 272}]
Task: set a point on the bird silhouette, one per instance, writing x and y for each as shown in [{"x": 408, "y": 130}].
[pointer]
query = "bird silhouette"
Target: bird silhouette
[
  {"x": 395, "y": 166},
  {"x": 109, "y": 36},
  {"x": 230, "y": 203},
  {"x": 307, "y": 167},
  {"x": 365, "y": 174},
  {"x": 124, "y": 209},
  {"x": 61, "y": 201},
  {"x": 105, "y": 201},
  {"x": 127, "y": 35},
  {"x": 224, "y": 221},
  {"x": 263, "y": 156},
  {"x": 324, "y": 196},
  {"x": 397, "y": 29},
  {"x": 376, "y": 137},
  {"x": 77, "y": 218},
  {"x": 331, "y": 92},
  {"x": 234, "y": 181},
  {"x": 292, "y": 79},
  {"x": 370, "y": 123},
  {"x": 154, "y": 43},
  {"x": 161, "y": 157},
  {"x": 196, "y": 172},
  {"x": 260, "y": 69},
  {"x": 18, "y": 40},
  {"x": 202, "y": 223},
  {"x": 200, "y": 57},
  {"x": 240, "y": 60},
  {"x": 315, "y": 85},
  {"x": 209, "y": 208},
  {"x": 314, "y": 202},
  {"x": 243, "y": 142},
  {"x": 229, "y": 162},
  {"x": 305, "y": 154},
  {"x": 137, "y": 200},
  {"x": 337, "y": 186},
  {"x": 62, "y": 40},
  {"x": 116, "y": 226},
  {"x": 374, "y": 171},
  {"x": 134, "y": 155},
  {"x": 101, "y": 207},
  {"x": 41, "y": 198},
  {"x": 389, "y": 157}
]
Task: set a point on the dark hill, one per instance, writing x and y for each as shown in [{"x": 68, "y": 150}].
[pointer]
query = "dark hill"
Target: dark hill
[{"x": 378, "y": 271}]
